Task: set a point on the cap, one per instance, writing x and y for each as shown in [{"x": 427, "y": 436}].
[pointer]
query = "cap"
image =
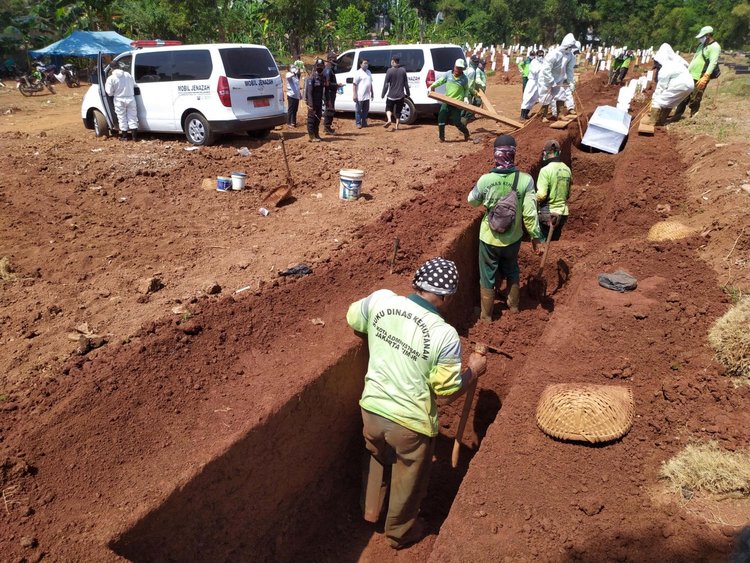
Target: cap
[
  {"x": 460, "y": 63},
  {"x": 438, "y": 276},
  {"x": 475, "y": 58},
  {"x": 705, "y": 30},
  {"x": 505, "y": 141},
  {"x": 319, "y": 62},
  {"x": 540, "y": 53},
  {"x": 551, "y": 145}
]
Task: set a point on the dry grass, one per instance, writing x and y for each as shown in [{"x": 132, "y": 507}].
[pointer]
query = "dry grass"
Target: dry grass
[
  {"x": 6, "y": 270},
  {"x": 730, "y": 339},
  {"x": 706, "y": 467}
]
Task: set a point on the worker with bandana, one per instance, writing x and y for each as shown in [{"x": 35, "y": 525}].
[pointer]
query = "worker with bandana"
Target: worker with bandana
[
  {"x": 456, "y": 87},
  {"x": 703, "y": 67},
  {"x": 498, "y": 251},
  {"x": 415, "y": 358}
]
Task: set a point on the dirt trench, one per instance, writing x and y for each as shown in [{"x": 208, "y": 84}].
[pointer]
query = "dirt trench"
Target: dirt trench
[{"x": 234, "y": 434}]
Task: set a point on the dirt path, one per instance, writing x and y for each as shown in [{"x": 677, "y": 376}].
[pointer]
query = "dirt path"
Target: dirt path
[{"x": 156, "y": 443}]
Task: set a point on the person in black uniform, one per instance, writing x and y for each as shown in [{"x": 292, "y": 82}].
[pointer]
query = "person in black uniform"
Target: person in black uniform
[
  {"x": 314, "y": 100},
  {"x": 330, "y": 86}
]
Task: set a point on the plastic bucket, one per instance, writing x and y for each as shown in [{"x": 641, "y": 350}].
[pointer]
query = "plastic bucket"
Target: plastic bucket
[
  {"x": 223, "y": 184},
  {"x": 350, "y": 183},
  {"x": 238, "y": 180}
]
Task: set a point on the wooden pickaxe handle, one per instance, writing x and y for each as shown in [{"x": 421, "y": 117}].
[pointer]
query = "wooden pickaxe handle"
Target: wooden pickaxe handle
[{"x": 479, "y": 349}]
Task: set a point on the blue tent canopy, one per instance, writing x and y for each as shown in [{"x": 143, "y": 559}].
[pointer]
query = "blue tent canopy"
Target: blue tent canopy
[{"x": 86, "y": 44}]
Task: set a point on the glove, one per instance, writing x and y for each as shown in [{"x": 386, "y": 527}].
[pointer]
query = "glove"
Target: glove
[
  {"x": 703, "y": 82},
  {"x": 466, "y": 100},
  {"x": 572, "y": 87}
]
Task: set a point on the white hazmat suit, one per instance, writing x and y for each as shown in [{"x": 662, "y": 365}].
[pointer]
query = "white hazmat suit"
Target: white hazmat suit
[
  {"x": 121, "y": 86},
  {"x": 554, "y": 72},
  {"x": 531, "y": 92},
  {"x": 673, "y": 83}
]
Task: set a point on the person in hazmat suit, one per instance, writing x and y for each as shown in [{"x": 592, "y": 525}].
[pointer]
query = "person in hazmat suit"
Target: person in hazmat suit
[
  {"x": 554, "y": 73},
  {"x": 531, "y": 92},
  {"x": 673, "y": 84}
]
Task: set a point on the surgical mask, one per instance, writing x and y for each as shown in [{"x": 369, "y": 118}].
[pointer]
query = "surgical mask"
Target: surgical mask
[
  {"x": 702, "y": 40},
  {"x": 365, "y": 66},
  {"x": 540, "y": 58}
]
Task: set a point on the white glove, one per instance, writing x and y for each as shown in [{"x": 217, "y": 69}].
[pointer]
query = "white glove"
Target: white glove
[
  {"x": 466, "y": 100},
  {"x": 572, "y": 87}
]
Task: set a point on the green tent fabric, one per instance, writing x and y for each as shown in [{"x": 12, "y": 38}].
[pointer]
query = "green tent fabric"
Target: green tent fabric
[{"x": 86, "y": 44}]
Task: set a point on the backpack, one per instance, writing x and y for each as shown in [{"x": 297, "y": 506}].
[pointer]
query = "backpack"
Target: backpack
[
  {"x": 715, "y": 73},
  {"x": 502, "y": 216}
]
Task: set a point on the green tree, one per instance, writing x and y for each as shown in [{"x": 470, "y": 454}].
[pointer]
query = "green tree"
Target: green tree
[{"x": 350, "y": 25}]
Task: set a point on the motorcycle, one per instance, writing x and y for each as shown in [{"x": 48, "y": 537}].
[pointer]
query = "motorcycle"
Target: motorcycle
[
  {"x": 29, "y": 85},
  {"x": 70, "y": 75}
]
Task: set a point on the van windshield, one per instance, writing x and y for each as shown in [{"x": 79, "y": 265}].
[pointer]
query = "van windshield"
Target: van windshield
[
  {"x": 443, "y": 58},
  {"x": 244, "y": 62}
]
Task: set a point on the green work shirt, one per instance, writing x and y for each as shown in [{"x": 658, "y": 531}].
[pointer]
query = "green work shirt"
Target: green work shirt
[
  {"x": 523, "y": 67},
  {"x": 414, "y": 356},
  {"x": 456, "y": 88},
  {"x": 705, "y": 53},
  {"x": 491, "y": 188},
  {"x": 481, "y": 80},
  {"x": 553, "y": 187},
  {"x": 626, "y": 62}
]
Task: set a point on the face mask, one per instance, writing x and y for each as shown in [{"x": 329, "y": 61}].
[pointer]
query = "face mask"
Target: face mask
[
  {"x": 702, "y": 40},
  {"x": 365, "y": 66},
  {"x": 540, "y": 58}
]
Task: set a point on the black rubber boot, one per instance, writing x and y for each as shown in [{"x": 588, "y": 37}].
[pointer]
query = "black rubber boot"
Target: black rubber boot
[{"x": 134, "y": 134}]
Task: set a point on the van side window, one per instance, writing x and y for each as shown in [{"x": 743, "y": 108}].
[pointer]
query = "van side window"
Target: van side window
[
  {"x": 191, "y": 65},
  {"x": 125, "y": 63},
  {"x": 380, "y": 60},
  {"x": 412, "y": 59},
  {"x": 153, "y": 67},
  {"x": 345, "y": 61}
]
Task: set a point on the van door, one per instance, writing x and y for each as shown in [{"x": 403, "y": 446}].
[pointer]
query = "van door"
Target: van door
[
  {"x": 413, "y": 62},
  {"x": 108, "y": 104},
  {"x": 380, "y": 62},
  {"x": 191, "y": 84},
  {"x": 152, "y": 71},
  {"x": 254, "y": 81},
  {"x": 345, "y": 71}
]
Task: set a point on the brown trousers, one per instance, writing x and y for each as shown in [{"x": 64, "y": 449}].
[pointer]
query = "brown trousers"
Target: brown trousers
[{"x": 410, "y": 455}]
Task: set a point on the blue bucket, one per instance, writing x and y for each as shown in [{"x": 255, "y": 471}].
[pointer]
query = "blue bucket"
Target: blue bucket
[{"x": 223, "y": 184}]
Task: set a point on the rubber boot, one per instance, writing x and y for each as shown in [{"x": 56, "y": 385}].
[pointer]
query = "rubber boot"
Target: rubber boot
[
  {"x": 134, "y": 134},
  {"x": 561, "y": 109},
  {"x": 651, "y": 118},
  {"x": 441, "y": 132},
  {"x": 572, "y": 111},
  {"x": 314, "y": 138},
  {"x": 661, "y": 117},
  {"x": 487, "y": 301},
  {"x": 514, "y": 297},
  {"x": 124, "y": 136},
  {"x": 543, "y": 114},
  {"x": 524, "y": 114}
]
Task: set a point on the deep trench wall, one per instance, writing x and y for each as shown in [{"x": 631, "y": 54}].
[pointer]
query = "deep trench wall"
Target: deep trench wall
[{"x": 254, "y": 502}]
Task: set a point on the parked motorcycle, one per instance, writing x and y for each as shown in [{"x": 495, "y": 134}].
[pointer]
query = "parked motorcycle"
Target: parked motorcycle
[
  {"x": 70, "y": 75},
  {"x": 29, "y": 85}
]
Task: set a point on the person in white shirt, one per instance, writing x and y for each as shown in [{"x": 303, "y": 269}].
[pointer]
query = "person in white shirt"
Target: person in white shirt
[
  {"x": 293, "y": 96},
  {"x": 121, "y": 86},
  {"x": 362, "y": 92}
]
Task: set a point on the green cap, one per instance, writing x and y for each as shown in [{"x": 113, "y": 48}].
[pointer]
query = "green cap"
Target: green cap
[{"x": 705, "y": 30}]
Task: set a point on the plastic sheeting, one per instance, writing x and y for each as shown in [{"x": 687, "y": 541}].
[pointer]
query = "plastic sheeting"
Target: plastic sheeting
[
  {"x": 607, "y": 129},
  {"x": 86, "y": 44}
]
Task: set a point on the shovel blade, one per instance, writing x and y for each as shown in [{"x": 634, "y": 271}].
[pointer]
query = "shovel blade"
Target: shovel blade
[{"x": 279, "y": 195}]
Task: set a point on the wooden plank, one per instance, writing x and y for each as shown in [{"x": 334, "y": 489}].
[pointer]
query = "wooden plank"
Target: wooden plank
[
  {"x": 486, "y": 101},
  {"x": 473, "y": 109},
  {"x": 645, "y": 128},
  {"x": 559, "y": 124}
]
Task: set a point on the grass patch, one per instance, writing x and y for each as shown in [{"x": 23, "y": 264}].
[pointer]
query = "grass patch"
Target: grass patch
[
  {"x": 735, "y": 293},
  {"x": 730, "y": 339},
  {"x": 706, "y": 467},
  {"x": 6, "y": 270}
]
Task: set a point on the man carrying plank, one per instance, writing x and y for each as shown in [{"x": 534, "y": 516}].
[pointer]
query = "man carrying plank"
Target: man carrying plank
[{"x": 457, "y": 88}]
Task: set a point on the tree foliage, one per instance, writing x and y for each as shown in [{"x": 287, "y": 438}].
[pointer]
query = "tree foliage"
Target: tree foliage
[{"x": 290, "y": 27}]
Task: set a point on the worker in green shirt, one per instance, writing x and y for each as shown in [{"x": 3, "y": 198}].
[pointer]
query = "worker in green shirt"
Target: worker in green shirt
[
  {"x": 415, "y": 358},
  {"x": 477, "y": 81},
  {"x": 498, "y": 251},
  {"x": 553, "y": 190},
  {"x": 703, "y": 67},
  {"x": 614, "y": 69},
  {"x": 523, "y": 68},
  {"x": 456, "y": 87},
  {"x": 624, "y": 67}
]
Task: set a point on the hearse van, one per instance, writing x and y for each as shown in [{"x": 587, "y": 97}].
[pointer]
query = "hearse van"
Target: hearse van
[{"x": 202, "y": 91}]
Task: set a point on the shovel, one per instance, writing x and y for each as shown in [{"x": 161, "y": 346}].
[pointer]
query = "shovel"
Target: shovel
[
  {"x": 536, "y": 284},
  {"x": 277, "y": 196}
]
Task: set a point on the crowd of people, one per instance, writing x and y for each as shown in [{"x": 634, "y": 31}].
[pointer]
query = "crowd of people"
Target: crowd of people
[{"x": 415, "y": 355}]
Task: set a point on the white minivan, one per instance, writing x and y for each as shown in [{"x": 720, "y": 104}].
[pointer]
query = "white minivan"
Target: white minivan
[
  {"x": 423, "y": 63},
  {"x": 199, "y": 90}
]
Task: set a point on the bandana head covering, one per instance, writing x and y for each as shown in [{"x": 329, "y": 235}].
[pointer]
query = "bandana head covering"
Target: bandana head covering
[
  {"x": 438, "y": 276},
  {"x": 505, "y": 151}
]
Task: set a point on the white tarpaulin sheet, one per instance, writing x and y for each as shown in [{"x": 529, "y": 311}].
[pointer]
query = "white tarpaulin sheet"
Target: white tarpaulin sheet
[{"x": 607, "y": 129}]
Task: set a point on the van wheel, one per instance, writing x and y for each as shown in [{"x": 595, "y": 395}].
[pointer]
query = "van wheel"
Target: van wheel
[
  {"x": 259, "y": 133},
  {"x": 101, "y": 128},
  {"x": 409, "y": 112},
  {"x": 197, "y": 130}
]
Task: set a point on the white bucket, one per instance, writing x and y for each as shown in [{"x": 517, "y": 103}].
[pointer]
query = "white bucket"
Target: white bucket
[
  {"x": 238, "y": 180},
  {"x": 350, "y": 183}
]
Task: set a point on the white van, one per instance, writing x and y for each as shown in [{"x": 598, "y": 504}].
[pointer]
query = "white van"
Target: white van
[
  {"x": 424, "y": 64},
  {"x": 200, "y": 90}
]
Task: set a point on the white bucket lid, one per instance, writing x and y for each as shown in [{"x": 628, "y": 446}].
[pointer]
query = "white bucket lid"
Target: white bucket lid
[{"x": 351, "y": 172}]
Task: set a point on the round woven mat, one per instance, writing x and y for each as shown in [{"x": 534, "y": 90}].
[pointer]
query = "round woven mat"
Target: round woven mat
[
  {"x": 669, "y": 230},
  {"x": 584, "y": 412}
]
